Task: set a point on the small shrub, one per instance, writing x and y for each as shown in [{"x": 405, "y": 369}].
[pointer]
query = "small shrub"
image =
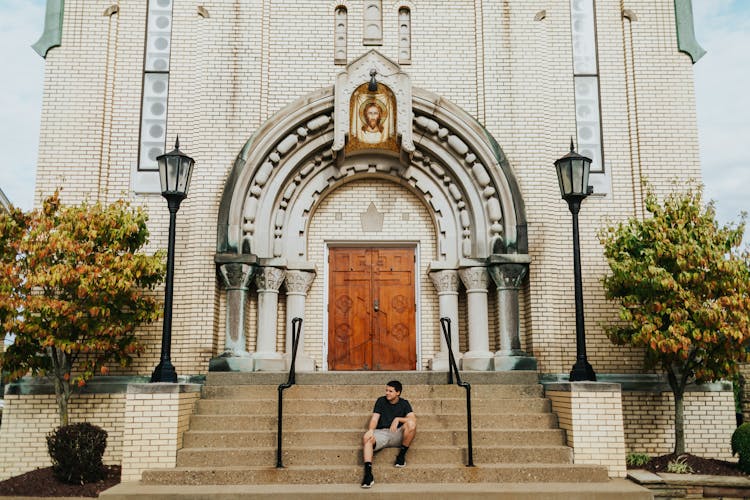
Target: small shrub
[
  {"x": 679, "y": 466},
  {"x": 76, "y": 451},
  {"x": 741, "y": 446},
  {"x": 637, "y": 459}
]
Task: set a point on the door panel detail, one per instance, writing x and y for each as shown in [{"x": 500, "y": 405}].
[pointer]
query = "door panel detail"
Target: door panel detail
[{"x": 372, "y": 321}]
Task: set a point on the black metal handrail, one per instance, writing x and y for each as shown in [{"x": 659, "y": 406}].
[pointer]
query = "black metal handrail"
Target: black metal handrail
[
  {"x": 296, "y": 329},
  {"x": 445, "y": 323}
]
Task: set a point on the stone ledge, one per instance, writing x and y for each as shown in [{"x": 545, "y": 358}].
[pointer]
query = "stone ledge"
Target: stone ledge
[
  {"x": 163, "y": 388},
  {"x": 637, "y": 382},
  {"x": 582, "y": 387},
  {"x": 668, "y": 485},
  {"x": 111, "y": 384}
]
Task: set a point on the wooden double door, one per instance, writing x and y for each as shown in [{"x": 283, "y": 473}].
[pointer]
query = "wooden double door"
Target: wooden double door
[{"x": 371, "y": 309}]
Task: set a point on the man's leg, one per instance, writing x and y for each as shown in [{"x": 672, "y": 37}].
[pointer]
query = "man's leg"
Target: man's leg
[
  {"x": 368, "y": 443},
  {"x": 410, "y": 430}
]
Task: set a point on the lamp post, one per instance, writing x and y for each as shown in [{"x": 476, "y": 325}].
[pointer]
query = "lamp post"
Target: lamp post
[
  {"x": 573, "y": 176},
  {"x": 175, "y": 169}
]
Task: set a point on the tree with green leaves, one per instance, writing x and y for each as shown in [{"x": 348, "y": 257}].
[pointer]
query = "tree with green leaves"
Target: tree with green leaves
[
  {"x": 74, "y": 285},
  {"x": 683, "y": 286}
]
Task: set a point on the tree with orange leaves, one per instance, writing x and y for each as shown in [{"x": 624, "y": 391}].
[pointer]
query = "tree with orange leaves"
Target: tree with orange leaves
[
  {"x": 683, "y": 286},
  {"x": 74, "y": 285}
]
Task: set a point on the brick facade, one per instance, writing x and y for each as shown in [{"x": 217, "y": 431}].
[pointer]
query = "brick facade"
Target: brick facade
[{"x": 235, "y": 68}]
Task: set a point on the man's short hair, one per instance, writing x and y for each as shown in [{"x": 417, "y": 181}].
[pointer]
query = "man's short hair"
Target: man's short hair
[{"x": 395, "y": 384}]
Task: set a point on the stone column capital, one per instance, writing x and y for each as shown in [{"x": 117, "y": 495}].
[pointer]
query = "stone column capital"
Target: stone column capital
[
  {"x": 269, "y": 279},
  {"x": 474, "y": 278},
  {"x": 298, "y": 282},
  {"x": 508, "y": 275},
  {"x": 445, "y": 281},
  {"x": 236, "y": 275}
]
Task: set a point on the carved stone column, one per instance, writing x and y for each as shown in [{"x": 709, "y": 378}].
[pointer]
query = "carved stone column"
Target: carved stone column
[
  {"x": 297, "y": 284},
  {"x": 508, "y": 272},
  {"x": 268, "y": 281},
  {"x": 446, "y": 283},
  {"x": 236, "y": 271},
  {"x": 478, "y": 357}
]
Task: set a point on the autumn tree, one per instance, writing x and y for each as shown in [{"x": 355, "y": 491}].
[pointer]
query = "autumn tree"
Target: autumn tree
[
  {"x": 74, "y": 285},
  {"x": 684, "y": 292}
]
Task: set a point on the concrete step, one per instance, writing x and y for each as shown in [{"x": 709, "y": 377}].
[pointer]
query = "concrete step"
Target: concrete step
[
  {"x": 353, "y": 437},
  {"x": 359, "y": 420},
  {"x": 433, "y": 406},
  {"x": 370, "y": 392},
  {"x": 347, "y": 455},
  {"x": 386, "y": 473},
  {"x": 617, "y": 489},
  {"x": 408, "y": 378}
]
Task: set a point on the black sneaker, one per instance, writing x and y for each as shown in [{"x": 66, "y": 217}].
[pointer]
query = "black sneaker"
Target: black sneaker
[
  {"x": 400, "y": 461},
  {"x": 368, "y": 480}
]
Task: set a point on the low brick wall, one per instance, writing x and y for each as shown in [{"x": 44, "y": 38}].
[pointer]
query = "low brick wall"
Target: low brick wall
[
  {"x": 144, "y": 422},
  {"x": 156, "y": 416},
  {"x": 591, "y": 415},
  {"x": 709, "y": 422},
  {"x": 27, "y": 419}
]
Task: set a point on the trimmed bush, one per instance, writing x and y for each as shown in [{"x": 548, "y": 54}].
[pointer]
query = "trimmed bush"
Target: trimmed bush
[
  {"x": 76, "y": 451},
  {"x": 741, "y": 446}
]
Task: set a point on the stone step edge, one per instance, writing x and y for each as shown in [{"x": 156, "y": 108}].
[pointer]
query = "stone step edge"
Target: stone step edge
[
  {"x": 304, "y": 468},
  {"x": 536, "y": 490},
  {"x": 355, "y": 448}
]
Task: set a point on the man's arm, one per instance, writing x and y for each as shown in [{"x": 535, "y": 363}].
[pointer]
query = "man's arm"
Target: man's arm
[
  {"x": 372, "y": 424},
  {"x": 402, "y": 420}
]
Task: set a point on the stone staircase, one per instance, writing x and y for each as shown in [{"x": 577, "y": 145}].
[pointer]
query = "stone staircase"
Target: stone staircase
[{"x": 230, "y": 448}]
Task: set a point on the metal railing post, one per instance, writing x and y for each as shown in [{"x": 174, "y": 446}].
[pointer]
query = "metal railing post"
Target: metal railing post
[
  {"x": 296, "y": 330},
  {"x": 445, "y": 323}
]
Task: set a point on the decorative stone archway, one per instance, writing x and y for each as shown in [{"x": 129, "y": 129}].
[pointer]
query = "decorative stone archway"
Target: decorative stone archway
[{"x": 455, "y": 166}]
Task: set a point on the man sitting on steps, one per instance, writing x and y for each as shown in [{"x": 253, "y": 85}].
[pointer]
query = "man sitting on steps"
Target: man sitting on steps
[{"x": 393, "y": 424}]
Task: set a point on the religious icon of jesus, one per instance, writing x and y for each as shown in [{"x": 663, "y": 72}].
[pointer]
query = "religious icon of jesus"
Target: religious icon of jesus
[
  {"x": 372, "y": 120},
  {"x": 372, "y": 128}
]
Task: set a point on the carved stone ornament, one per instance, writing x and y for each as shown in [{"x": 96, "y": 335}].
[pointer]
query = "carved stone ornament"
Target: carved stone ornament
[
  {"x": 388, "y": 76},
  {"x": 445, "y": 281},
  {"x": 298, "y": 282},
  {"x": 236, "y": 276},
  {"x": 474, "y": 278},
  {"x": 371, "y": 219},
  {"x": 508, "y": 276},
  {"x": 269, "y": 279}
]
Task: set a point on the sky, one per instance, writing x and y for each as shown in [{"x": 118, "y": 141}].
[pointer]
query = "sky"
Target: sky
[{"x": 721, "y": 82}]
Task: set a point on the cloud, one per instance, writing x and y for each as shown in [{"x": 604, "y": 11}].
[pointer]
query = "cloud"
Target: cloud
[
  {"x": 21, "y": 24},
  {"x": 721, "y": 82}
]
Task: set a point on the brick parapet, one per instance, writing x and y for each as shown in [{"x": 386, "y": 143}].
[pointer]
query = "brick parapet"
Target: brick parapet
[
  {"x": 591, "y": 415},
  {"x": 155, "y": 418}
]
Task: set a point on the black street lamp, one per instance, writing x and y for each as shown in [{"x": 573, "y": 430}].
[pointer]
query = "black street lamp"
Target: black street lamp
[
  {"x": 175, "y": 169},
  {"x": 573, "y": 175}
]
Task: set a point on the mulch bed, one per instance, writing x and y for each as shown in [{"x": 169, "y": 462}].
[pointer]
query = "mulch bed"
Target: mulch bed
[
  {"x": 699, "y": 465},
  {"x": 41, "y": 483}
]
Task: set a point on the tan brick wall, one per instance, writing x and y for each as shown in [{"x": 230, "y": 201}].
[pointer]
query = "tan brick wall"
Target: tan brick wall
[
  {"x": 593, "y": 424},
  {"x": 709, "y": 423},
  {"x": 156, "y": 416},
  {"x": 232, "y": 70},
  {"x": 28, "y": 419}
]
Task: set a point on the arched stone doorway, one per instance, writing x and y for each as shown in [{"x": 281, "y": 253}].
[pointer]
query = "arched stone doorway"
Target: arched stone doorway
[{"x": 464, "y": 184}]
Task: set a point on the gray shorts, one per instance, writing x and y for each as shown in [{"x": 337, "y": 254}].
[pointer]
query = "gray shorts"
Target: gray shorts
[{"x": 384, "y": 438}]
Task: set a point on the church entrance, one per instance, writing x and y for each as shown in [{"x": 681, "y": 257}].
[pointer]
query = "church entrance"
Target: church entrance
[{"x": 371, "y": 309}]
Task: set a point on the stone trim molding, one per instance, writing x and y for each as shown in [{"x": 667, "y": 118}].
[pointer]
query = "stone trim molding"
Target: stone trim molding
[
  {"x": 289, "y": 166},
  {"x": 52, "y": 35}
]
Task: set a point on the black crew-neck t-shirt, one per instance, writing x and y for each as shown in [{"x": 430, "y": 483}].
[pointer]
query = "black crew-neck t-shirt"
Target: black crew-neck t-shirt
[{"x": 389, "y": 411}]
